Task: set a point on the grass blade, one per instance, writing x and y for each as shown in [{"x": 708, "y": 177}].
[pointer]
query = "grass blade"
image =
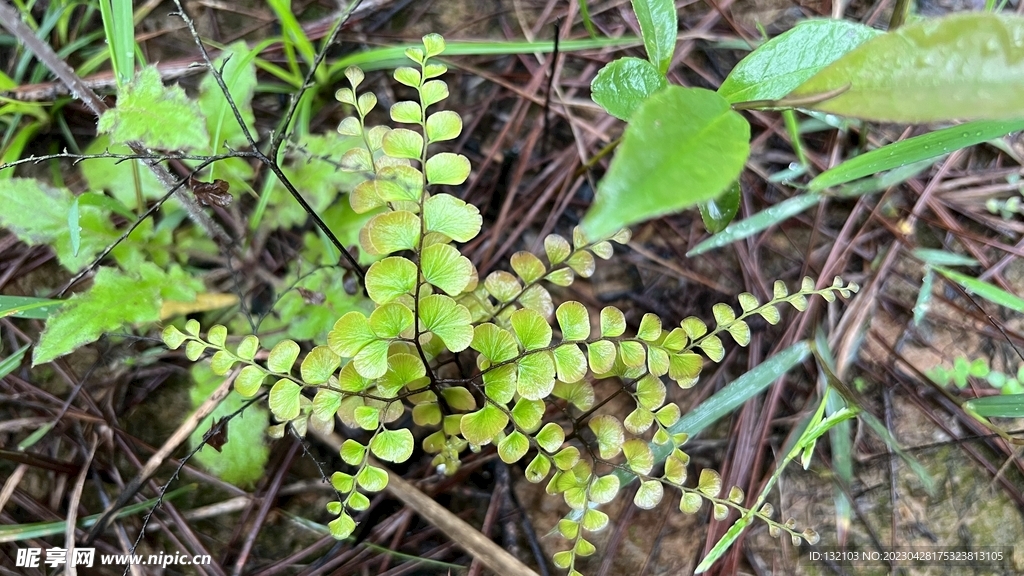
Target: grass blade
[
  {"x": 27, "y": 307},
  {"x": 1002, "y": 406},
  {"x": 987, "y": 291},
  {"x": 758, "y": 222},
  {"x": 7, "y": 365},
  {"x": 916, "y": 149}
]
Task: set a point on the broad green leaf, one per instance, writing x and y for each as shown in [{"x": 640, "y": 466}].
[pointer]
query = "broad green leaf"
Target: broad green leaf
[
  {"x": 658, "y": 26},
  {"x": 283, "y": 356},
  {"x": 390, "y": 232},
  {"x": 449, "y": 321},
  {"x": 452, "y": 217},
  {"x": 443, "y": 125},
  {"x": 482, "y": 426},
  {"x": 535, "y": 375},
  {"x": 623, "y": 84},
  {"x": 238, "y": 69},
  {"x": 284, "y": 400},
  {"x": 351, "y": 332},
  {"x": 718, "y": 212},
  {"x": 531, "y": 329},
  {"x": 447, "y": 168},
  {"x": 390, "y": 320},
  {"x": 390, "y": 278},
  {"x": 445, "y": 267},
  {"x": 318, "y": 366},
  {"x": 392, "y": 445},
  {"x": 706, "y": 146},
  {"x": 496, "y": 344},
  {"x": 574, "y": 321},
  {"x": 781, "y": 64},
  {"x": 916, "y": 149},
  {"x": 38, "y": 214},
  {"x": 966, "y": 66},
  {"x": 116, "y": 299},
  {"x": 242, "y": 458},
  {"x": 160, "y": 117},
  {"x": 513, "y": 447}
]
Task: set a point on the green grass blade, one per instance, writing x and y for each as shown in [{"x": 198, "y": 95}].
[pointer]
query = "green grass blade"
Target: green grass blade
[
  {"x": 292, "y": 30},
  {"x": 916, "y": 149},
  {"x": 390, "y": 56},
  {"x": 1002, "y": 406},
  {"x": 987, "y": 291},
  {"x": 8, "y": 365},
  {"x": 119, "y": 28},
  {"x": 943, "y": 258},
  {"x": 19, "y": 532},
  {"x": 587, "y": 22},
  {"x": 27, "y": 307}
]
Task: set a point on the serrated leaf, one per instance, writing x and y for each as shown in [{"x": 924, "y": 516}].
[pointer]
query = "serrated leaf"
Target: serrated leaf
[
  {"x": 513, "y": 447},
  {"x": 570, "y": 363},
  {"x": 390, "y": 320},
  {"x": 974, "y": 60},
  {"x": 445, "y": 267},
  {"x": 604, "y": 489},
  {"x": 601, "y": 356},
  {"x": 482, "y": 426},
  {"x": 623, "y": 84},
  {"x": 447, "y": 168},
  {"x": 392, "y": 445},
  {"x": 638, "y": 456},
  {"x": 452, "y": 217},
  {"x": 160, "y": 117},
  {"x": 390, "y": 232},
  {"x": 706, "y": 147},
  {"x": 284, "y": 400},
  {"x": 443, "y": 125},
  {"x": 283, "y": 356},
  {"x": 574, "y": 321},
  {"x": 318, "y": 366},
  {"x": 535, "y": 375},
  {"x": 531, "y": 329},
  {"x": 710, "y": 482},
  {"x": 781, "y": 64},
  {"x": 403, "y": 143},
  {"x": 550, "y": 437},
  {"x": 496, "y": 344},
  {"x": 450, "y": 321},
  {"x": 390, "y": 278}
]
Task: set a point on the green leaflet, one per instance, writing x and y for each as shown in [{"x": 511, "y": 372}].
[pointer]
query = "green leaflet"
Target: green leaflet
[
  {"x": 622, "y": 85},
  {"x": 705, "y": 146},
  {"x": 658, "y": 26},
  {"x": 157, "y": 116}
]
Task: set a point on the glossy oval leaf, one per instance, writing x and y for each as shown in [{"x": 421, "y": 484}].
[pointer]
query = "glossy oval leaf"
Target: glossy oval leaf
[
  {"x": 718, "y": 213},
  {"x": 658, "y": 26},
  {"x": 967, "y": 66},
  {"x": 622, "y": 85},
  {"x": 677, "y": 135},
  {"x": 783, "y": 63}
]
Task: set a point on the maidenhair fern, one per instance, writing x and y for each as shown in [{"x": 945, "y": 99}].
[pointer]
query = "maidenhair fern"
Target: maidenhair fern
[{"x": 431, "y": 308}]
